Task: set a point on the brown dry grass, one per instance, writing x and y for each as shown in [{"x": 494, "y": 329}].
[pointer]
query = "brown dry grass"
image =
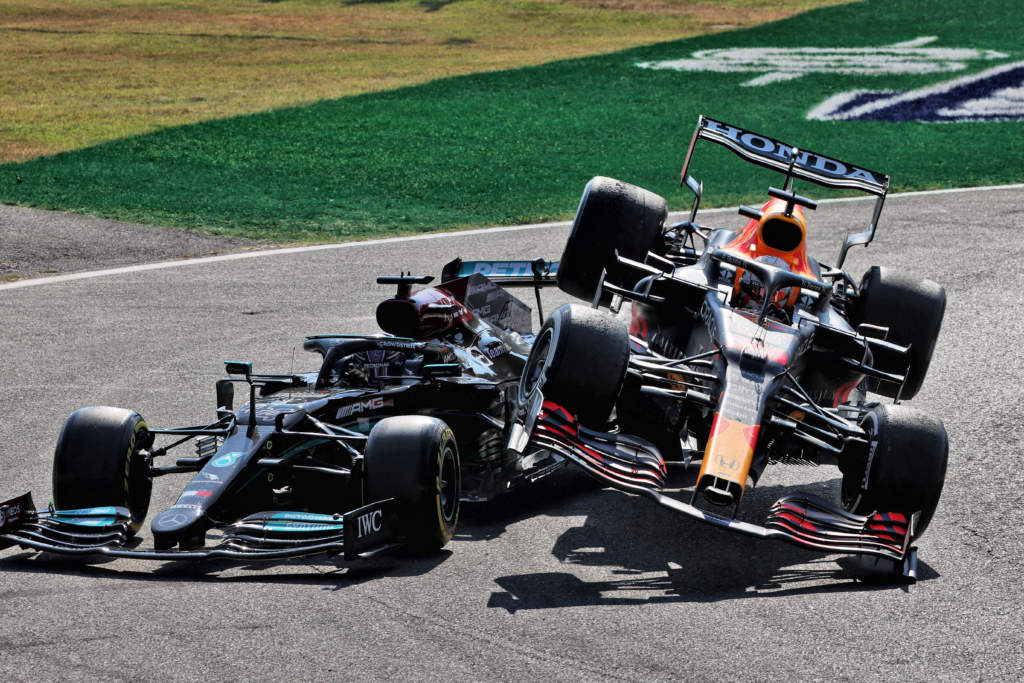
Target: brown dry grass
[{"x": 79, "y": 72}]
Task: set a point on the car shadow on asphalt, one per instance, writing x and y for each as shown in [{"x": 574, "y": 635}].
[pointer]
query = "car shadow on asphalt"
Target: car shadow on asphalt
[
  {"x": 563, "y": 493},
  {"x": 656, "y": 555},
  {"x": 334, "y": 575}
]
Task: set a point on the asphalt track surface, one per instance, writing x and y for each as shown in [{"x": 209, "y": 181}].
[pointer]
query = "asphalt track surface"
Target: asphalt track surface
[
  {"x": 562, "y": 581},
  {"x": 37, "y": 243}
]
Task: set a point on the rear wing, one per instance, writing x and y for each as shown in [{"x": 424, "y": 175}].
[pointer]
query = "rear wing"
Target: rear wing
[
  {"x": 793, "y": 163},
  {"x": 536, "y": 273}
]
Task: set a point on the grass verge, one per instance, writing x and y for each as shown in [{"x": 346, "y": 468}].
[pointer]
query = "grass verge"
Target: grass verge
[
  {"x": 518, "y": 146},
  {"x": 81, "y": 72}
]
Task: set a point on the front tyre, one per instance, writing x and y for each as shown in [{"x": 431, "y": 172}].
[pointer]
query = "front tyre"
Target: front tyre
[
  {"x": 904, "y": 467},
  {"x": 613, "y": 216},
  {"x": 579, "y": 361},
  {"x": 414, "y": 459},
  {"x": 99, "y": 462}
]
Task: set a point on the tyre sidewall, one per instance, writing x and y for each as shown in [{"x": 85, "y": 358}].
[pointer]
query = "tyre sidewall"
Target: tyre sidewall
[
  {"x": 585, "y": 364},
  {"x": 906, "y": 465},
  {"x": 98, "y": 462},
  {"x": 405, "y": 459}
]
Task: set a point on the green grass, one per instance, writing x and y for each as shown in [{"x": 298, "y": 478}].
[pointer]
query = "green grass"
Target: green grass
[
  {"x": 518, "y": 146},
  {"x": 83, "y": 72}
]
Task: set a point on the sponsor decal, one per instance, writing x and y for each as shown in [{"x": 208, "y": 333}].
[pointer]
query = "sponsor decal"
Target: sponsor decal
[
  {"x": 481, "y": 287},
  {"x": 186, "y": 506},
  {"x": 505, "y": 268},
  {"x": 369, "y": 523},
  {"x": 170, "y": 520},
  {"x": 786, "y": 63},
  {"x": 405, "y": 346},
  {"x": 763, "y": 146},
  {"x": 227, "y": 460},
  {"x": 708, "y": 317},
  {"x": 496, "y": 349},
  {"x": 363, "y": 406},
  {"x": 867, "y": 468},
  {"x": 306, "y": 517},
  {"x": 268, "y": 412},
  {"x": 298, "y": 526},
  {"x": 10, "y": 514},
  {"x": 13, "y": 511},
  {"x": 995, "y": 94}
]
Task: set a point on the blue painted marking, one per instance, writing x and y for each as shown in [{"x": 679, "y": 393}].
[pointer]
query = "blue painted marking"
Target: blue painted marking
[
  {"x": 82, "y": 512},
  {"x": 226, "y": 460},
  {"x": 88, "y": 521},
  {"x": 301, "y": 526},
  {"x": 306, "y": 517},
  {"x": 996, "y": 94}
]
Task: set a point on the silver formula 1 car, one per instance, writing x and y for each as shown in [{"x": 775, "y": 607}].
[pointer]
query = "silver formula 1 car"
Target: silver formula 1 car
[{"x": 373, "y": 449}]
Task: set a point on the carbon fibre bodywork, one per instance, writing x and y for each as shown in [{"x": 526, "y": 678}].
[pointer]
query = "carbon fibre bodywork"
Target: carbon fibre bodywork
[
  {"x": 282, "y": 471},
  {"x": 743, "y": 351}
]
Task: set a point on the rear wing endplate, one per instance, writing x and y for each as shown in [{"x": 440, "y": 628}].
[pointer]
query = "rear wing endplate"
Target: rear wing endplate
[
  {"x": 793, "y": 163},
  {"x": 537, "y": 273}
]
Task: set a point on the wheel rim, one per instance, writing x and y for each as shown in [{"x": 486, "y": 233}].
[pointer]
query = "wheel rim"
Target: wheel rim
[
  {"x": 449, "y": 484},
  {"x": 536, "y": 364}
]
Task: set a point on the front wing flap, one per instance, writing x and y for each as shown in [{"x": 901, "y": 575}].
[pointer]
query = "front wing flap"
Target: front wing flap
[
  {"x": 626, "y": 462},
  {"x": 802, "y": 519},
  {"x": 270, "y": 535}
]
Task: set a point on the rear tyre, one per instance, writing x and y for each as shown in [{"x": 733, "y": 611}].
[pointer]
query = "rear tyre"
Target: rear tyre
[
  {"x": 903, "y": 470},
  {"x": 414, "y": 459},
  {"x": 579, "y": 361},
  {"x": 612, "y": 216},
  {"x": 99, "y": 462},
  {"x": 912, "y": 310}
]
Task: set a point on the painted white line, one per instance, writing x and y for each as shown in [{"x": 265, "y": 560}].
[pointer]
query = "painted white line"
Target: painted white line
[{"x": 675, "y": 216}]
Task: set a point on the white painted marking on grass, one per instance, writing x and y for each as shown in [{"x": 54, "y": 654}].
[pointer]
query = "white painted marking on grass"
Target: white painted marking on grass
[
  {"x": 674, "y": 216},
  {"x": 786, "y": 63}
]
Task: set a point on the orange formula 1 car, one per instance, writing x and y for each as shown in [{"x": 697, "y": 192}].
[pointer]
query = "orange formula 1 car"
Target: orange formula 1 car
[{"x": 743, "y": 351}]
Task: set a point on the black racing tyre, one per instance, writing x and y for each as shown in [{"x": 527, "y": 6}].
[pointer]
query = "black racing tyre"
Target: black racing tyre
[
  {"x": 415, "y": 460},
  {"x": 99, "y": 462},
  {"x": 578, "y": 360},
  {"x": 612, "y": 216},
  {"x": 904, "y": 467},
  {"x": 912, "y": 310}
]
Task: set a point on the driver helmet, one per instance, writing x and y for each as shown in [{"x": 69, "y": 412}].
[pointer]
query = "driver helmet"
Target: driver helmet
[{"x": 779, "y": 239}]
